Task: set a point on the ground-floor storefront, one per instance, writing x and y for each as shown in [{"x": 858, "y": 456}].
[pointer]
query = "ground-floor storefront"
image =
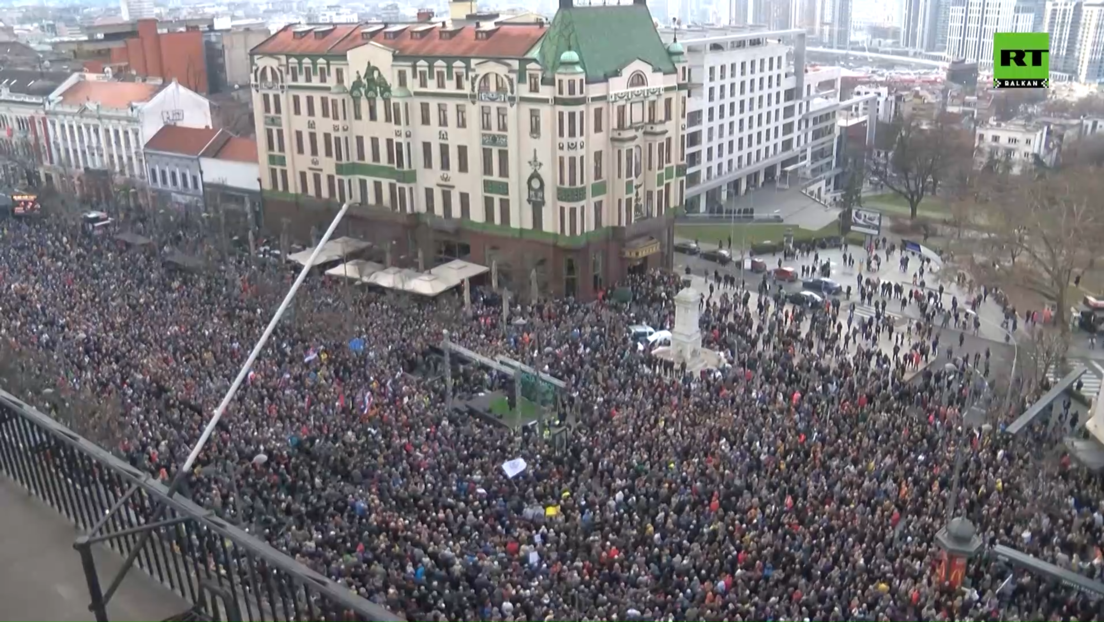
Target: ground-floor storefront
[{"x": 579, "y": 266}]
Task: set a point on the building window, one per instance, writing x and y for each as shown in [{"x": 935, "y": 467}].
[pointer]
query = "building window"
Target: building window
[
  {"x": 172, "y": 179},
  {"x": 504, "y": 212},
  {"x": 325, "y": 102},
  {"x": 638, "y": 80},
  {"x": 485, "y": 118},
  {"x": 423, "y": 79},
  {"x": 502, "y": 119},
  {"x": 402, "y": 78},
  {"x": 446, "y": 202},
  {"x": 440, "y": 79},
  {"x": 488, "y": 210},
  {"x": 153, "y": 175},
  {"x": 299, "y": 142},
  {"x": 360, "y": 148},
  {"x": 424, "y": 107},
  {"x": 318, "y": 185},
  {"x": 266, "y": 103},
  {"x": 377, "y": 189},
  {"x": 462, "y": 158},
  {"x": 597, "y": 214},
  {"x": 303, "y": 189},
  {"x": 427, "y": 155},
  {"x": 534, "y": 123},
  {"x": 597, "y": 120},
  {"x": 442, "y": 115},
  {"x": 330, "y": 186},
  {"x": 310, "y": 106},
  {"x": 429, "y": 208},
  {"x": 461, "y": 116},
  {"x": 327, "y": 146},
  {"x": 444, "y": 157},
  {"x": 459, "y": 76},
  {"x": 598, "y": 172},
  {"x": 488, "y": 162},
  {"x": 195, "y": 182},
  {"x": 465, "y": 206},
  {"x": 375, "y": 150},
  {"x": 503, "y": 163},
  {"x": 363, "y": 187}
]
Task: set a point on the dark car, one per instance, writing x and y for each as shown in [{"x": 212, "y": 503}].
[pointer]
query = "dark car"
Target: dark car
[
  {"x": 805, "y": 299},
  {"x": 687, "y": 248},
  {"x": 720, "y": 256},
  {"x": 819, "y": 284}
]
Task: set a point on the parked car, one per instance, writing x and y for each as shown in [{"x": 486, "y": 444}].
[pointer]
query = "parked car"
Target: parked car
[
  {"x": 786, "y": 275},
  {"x": 827, "y": 287},
  {"x": 640, "y": 332},
  {"x": 687, "y": 248},
  {"x": 806, "y": 299},
  {"x": 720, "y": 256}
]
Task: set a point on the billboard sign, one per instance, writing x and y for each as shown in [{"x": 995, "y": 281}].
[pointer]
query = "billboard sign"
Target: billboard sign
[
  {"x": 866, "y": 221},
  {"x": 1021, "y": 60}
]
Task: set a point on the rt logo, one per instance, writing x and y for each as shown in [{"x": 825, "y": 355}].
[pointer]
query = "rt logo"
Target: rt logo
[{"x": 1021, "y": 60}]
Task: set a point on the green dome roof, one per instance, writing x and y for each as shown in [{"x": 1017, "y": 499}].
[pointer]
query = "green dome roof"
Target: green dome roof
[
  {"x": 675, "y": 49},
  {"x": 569, "y": 62}
]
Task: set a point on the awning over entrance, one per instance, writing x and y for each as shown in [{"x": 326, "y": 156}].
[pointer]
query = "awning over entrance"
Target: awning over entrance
[
  {"x": 457, "y": 270},
  {"x": 640, "y": 248}
]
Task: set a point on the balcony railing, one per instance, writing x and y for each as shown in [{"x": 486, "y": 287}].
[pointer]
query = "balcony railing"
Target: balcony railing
[{"x": 225, "y": 572}]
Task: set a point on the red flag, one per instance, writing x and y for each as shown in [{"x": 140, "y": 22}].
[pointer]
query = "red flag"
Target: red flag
[{"x": 341, "y": 399}]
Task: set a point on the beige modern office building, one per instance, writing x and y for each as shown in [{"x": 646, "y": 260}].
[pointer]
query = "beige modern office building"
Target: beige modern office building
[{"x": 549, "y": 149}]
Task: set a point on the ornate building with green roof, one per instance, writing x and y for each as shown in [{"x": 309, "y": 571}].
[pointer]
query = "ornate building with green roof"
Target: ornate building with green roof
[{"x": 554, "y": 151}]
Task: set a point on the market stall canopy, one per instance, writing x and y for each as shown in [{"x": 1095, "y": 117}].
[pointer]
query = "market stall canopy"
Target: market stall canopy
[
  {"x": 357, "y": 269},
  {"x": 333, "y": 250},
  {"x": 457, "y": 270},
  {"x": 393, "y": 278},
  {"x": 429, "y": 285},
  {"x": 133, "y": 239}
]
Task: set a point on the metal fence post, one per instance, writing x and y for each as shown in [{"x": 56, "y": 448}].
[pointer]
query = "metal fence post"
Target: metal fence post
[{"x": 97, "y": 605}]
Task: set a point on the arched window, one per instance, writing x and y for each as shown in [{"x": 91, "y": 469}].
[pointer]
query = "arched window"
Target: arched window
[
  {"x": 264, "y": 74},
  {"x": 493, "y": 83},
  {"x": 637, "y": 80}
]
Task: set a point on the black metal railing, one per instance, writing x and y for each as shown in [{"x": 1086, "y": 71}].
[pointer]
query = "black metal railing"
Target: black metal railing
[{"x": 224, "y": 572}]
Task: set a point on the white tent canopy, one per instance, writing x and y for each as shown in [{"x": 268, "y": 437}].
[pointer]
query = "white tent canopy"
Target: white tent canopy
[
  {"x": 429, "y": 285},
  {"x": 357, "y": 270},
  {"x": 393, "y": 278},
  {"x": 457, "y": 270},
  {"x": 333, "y": 250}
]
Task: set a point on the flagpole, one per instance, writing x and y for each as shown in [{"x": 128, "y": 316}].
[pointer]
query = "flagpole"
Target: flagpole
[{"x": 178, "y": 479}]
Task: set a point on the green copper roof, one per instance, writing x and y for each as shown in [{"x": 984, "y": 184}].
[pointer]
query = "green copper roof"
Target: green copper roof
[{"x": 606, "y": 38}]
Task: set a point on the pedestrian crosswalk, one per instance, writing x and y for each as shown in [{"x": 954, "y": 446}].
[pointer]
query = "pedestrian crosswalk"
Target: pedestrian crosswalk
[{"x": 1091, "y": 380}]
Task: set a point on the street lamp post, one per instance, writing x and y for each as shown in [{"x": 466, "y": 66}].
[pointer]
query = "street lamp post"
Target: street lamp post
[
  {"x": 448, "y": 373},
  {"x": 958, "y": 538}
]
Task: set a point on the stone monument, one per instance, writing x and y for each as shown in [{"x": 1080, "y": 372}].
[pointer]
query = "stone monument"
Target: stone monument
[
  {"x": 686, "y": 340},
  {"x": 686, "y": 335}
]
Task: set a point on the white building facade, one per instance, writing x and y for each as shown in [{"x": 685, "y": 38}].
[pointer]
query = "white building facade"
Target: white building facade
[
  {"x": 1015, "y": 143},
  {"x": 98, "y": 128},
  {"x": 886, "y": 102},
  {"x": 754, "y": 118},
  {"x": 972, "y": 24}
]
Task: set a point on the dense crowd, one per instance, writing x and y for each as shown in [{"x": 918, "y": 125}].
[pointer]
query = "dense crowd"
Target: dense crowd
[{"x": 805, "y": 480}]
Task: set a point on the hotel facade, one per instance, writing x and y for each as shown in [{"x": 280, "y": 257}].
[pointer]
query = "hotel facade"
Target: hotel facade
[{"x": 554, "y": 152}]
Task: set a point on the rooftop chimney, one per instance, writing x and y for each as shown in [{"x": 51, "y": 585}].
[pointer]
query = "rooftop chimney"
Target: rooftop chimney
[{"x": 425, "y": 15}]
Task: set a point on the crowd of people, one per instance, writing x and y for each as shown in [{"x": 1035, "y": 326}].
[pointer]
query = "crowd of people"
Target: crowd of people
[{"x": 804, "y": 481}]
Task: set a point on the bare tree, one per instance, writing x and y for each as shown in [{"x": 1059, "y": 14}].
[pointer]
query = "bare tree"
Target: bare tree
[
  {"x": 1046, "y": 348},
  {"x": 918, "y": 158},
  {"x": 1039, "y": 232}
]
